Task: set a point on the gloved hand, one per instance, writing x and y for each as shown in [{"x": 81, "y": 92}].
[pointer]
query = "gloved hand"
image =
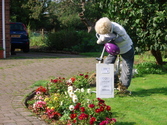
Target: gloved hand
[{"x": 105, "y": 38}]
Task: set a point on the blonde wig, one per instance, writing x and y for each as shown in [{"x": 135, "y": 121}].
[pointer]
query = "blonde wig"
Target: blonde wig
[{"x": 103, "y": 26}]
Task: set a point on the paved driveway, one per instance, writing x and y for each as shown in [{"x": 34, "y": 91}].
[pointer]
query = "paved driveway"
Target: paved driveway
[{"x": 22, "y": 70}]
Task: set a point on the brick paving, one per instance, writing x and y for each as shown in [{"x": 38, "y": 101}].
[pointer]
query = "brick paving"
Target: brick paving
[{"x": 17, "y": 74}]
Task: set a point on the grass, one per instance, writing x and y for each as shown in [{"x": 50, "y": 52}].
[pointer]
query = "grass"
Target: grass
[{"x": 146, "y": 105}]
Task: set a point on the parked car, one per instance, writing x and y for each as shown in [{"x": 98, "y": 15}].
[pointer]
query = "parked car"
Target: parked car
[{"x": 19, "y": 37}]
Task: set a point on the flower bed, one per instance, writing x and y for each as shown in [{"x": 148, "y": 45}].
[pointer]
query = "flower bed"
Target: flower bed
[{"x": 69, "y": 102}]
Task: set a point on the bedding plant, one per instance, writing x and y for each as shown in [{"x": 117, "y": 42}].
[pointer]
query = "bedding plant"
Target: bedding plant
[{"x": 70, "y": 102}]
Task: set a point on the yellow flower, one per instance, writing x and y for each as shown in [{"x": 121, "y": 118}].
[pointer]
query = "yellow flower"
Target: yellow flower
[
  {"x": 52, "y": 108},
  {"x": 55, "y": 98},
  {"x": 46, "y": 99}
]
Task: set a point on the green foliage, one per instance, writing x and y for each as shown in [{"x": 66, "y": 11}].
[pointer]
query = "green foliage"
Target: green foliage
[
  {"x": 144, "y": 20},
  {"x": 87, "y": 43},
  {"x": 39, "y": 83},
  {"x": 57, "y": 85},
  {"x": 150, "y": 68},
  {"x": 37, "y": 40},
  {"x": 62, "y": 39},
  {"x": 81, "y": 81},
  {"x": 72, "y": 40},
  {"x": 30, "y": 102}
]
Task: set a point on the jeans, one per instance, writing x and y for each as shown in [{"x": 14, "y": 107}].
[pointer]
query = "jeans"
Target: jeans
[{"x": 127, "y": 65}]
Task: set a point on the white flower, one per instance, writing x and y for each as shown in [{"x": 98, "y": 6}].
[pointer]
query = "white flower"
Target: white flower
[
  {"x": 88, "y": 90},
  {"x": 70, "y": 89},
  {"x": 82, "y": 89},
  {"x": 75, "y": 99},
  {"x": 74, "y": 96},
  {"x": 71, "y": 94},
  {"x": 88, "y": 101},
  {"x": 71, "y": 107}
]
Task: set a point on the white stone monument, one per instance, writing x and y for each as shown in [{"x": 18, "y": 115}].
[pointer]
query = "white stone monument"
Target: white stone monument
[{"x": 104, "y": 80}]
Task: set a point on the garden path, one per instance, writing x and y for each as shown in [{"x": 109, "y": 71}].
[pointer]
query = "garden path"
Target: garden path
[{"x": 17, "y": 74}]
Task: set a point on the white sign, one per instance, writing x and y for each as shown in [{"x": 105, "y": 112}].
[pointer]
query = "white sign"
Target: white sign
[{"x": 104, "y": 80}]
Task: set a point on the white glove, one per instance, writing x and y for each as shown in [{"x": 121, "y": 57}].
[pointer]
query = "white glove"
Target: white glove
[{"x": 102, "y": 39}]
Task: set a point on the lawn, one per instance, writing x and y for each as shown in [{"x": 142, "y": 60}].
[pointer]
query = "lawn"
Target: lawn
[{"x": 146, "y": 105}]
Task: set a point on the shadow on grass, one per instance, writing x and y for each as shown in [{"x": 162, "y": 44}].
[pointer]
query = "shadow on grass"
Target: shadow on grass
[{"x": 148, "y": 92}]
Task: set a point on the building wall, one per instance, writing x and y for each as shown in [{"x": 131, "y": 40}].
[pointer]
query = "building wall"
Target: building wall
[{"x": 7, "y": 26}]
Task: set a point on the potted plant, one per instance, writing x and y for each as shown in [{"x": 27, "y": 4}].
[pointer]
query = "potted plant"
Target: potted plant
[{"x": 1, "y": 52}]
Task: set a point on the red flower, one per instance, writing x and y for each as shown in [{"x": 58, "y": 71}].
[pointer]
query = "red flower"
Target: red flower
[
  {"x": 77, "y": 106},
  {"x": 81, "y": 74},
  {"x": 73, "y": 79},
  {"x": 74, "y": 121},
  {"x": 97, "y": 110},
  {"x": 92, "y": 120},
  {"x": 100, "y": 100},
  {"x": 86, "y": 76},
  {"x": 91, "y": 105},
  {"x": 41, "y": 89},
  {"x": 108, "y": 108},
  {"x": 101, "y": 108},
  {"x": 82, "y": 109},
  {"x": 54, "y": 80},
  {"x": 83, "y": 116},
  {"x": 72, "y": 116}
]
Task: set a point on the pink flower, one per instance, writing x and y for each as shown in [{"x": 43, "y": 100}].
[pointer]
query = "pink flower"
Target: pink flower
[
  {"x": 105, "y": 122},
  {"x": 51, "y": 113},
  {"x": 113, "y": 119}
]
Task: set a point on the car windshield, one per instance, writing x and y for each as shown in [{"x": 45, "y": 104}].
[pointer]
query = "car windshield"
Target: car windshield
[{"x": 16, "y": 27}]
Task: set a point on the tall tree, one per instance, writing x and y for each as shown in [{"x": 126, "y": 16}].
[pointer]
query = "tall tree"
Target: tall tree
[
  {"x": 90, "y": 11},
  {"x": 36, "y": 13},
  {"x": 145, "y": 20},
  {"x": 17, "y": 12}
]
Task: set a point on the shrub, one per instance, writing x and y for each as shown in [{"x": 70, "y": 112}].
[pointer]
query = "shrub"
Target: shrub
[
  {"x": 88, "y": 43},
  {"x": 150, "y": 68},
  {"x": 72, "y": 40},
  {"x": 62, "y": 39}
]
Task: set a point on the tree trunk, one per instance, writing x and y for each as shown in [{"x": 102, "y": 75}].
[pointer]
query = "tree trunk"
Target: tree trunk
[
  {"x": 158, "y": 56},
  {"x": 89, "y": 24}
]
